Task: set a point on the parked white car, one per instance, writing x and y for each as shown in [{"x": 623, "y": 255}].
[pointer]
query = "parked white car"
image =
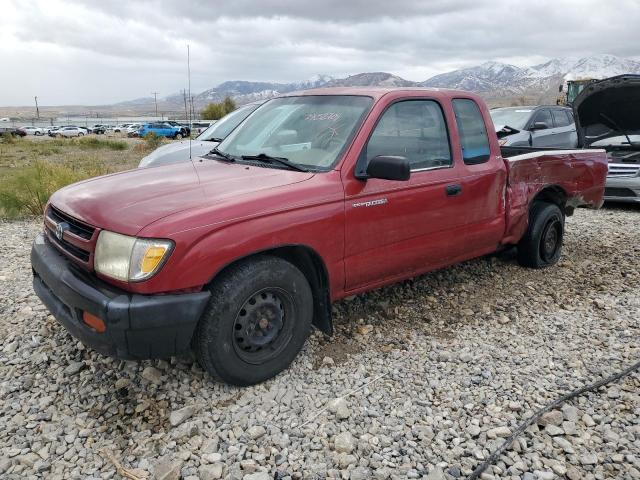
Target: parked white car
[
  {"x": 70, "y": 132},
  {"x": 132, "y": 130},
  {"x": 37, "y": 131},
  {"x": 199, "y": 127}
]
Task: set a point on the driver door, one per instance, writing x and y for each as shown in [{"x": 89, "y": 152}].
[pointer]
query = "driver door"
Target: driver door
[
  {"x": 544, "y": 137},
  {"x": 397, "y": 227}
]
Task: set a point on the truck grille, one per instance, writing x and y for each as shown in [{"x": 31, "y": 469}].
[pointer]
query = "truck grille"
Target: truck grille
[
  {"x": 78, "y": 240},
  {"x": 618, "y": 192},
  {"x": 623, "y": 170}
]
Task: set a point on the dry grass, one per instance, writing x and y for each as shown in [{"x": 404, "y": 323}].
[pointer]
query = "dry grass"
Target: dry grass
[{"x": 31, "y": 169}]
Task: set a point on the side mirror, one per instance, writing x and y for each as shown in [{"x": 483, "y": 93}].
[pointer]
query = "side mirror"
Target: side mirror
[
  {"x": 539, "y": 126},
  {"x": 387, "y": 167}
]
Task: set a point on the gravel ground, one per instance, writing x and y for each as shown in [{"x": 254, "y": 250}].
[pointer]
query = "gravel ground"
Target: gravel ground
[{"x": 441, "y": 369}]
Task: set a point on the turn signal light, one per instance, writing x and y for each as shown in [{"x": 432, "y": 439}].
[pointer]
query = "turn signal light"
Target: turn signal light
[
  {"x": 152, "y": 257},
  {"x": 94, "y": 322}
]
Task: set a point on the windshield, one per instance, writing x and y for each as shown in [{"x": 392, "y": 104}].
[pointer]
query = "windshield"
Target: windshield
[
  {"x": 223, "y": 127},
  {"x": 310, "y": 130},
  {"x": 513, "y": 117},
  {"x": 573, "y": 89}
]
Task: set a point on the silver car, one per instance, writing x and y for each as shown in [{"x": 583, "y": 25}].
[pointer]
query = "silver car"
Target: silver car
[
  {"x": 203, "y": 144},
  {"x": 623, "y": 179},
  {"x": 539, "y": 126},
  {"x": 607, "y": 115}
]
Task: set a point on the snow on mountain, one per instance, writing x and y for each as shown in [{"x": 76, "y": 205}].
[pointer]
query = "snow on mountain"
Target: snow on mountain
[
  {"x": 602, "y": 66},
  {"x": 555, "y": 66},
  {"x": 595, "y": 66},
  {"x": 317, "y": 80},
  {"x": 496, "y": 77},
  {"x": 482, "y": 78}
]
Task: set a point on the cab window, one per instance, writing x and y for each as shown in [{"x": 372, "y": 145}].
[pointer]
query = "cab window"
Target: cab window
[
  {"x": 560, "y": 118},
  {"x": 415, "y": 129},
  {"x": 544, "y": 116},
  {"x": 472, "y": 131}
]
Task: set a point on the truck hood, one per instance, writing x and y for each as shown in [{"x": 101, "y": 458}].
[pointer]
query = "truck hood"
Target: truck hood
[
  {"x": 607, "y": 108},
  {"x": 128, "y": 201},
  {"x": 177, "y": 152}
]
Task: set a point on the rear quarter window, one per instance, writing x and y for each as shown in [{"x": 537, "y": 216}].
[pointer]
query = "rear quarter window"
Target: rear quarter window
[
  {"x": 472, "y": 131},
  {"x": 560, "y": 118}
]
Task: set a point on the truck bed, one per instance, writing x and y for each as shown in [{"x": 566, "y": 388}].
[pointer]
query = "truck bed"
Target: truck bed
[{"x": 578, "y": 176}]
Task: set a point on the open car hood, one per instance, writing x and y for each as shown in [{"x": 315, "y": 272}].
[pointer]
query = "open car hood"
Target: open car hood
[{"x": 608, "y": 108}]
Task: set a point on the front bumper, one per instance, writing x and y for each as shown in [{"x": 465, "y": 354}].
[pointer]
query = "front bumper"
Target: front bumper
[
  {"x": 622, "y": 189},
  {"x": 137, "y": 326}
]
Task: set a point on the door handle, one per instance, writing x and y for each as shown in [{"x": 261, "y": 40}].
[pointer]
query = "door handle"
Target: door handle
[{"x": 453, "y": 190}]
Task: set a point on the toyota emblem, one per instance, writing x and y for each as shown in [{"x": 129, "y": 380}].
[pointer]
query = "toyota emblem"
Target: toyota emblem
[{"x": 60, "y": 229}]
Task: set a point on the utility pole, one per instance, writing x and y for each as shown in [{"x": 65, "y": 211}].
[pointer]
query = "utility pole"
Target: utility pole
[
  {"x": 37, "y": 109},
  {"x": 155, "y": 97}
]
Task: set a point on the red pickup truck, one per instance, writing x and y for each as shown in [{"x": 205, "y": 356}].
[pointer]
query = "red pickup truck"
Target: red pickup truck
[{"x": 316, "y": 196}]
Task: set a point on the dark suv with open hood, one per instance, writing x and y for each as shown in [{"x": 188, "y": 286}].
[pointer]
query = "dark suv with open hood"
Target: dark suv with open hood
[{"x": 607, "y": 116}]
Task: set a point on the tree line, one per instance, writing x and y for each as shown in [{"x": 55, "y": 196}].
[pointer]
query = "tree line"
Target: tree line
[{"x": 214, "y": 111}]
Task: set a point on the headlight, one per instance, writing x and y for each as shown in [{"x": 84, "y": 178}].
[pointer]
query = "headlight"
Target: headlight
[{"x": 129, "y": 258}]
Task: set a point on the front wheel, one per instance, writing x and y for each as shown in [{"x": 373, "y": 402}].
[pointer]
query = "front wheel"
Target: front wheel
[
  {"x": 178, "y": 136},
  {"x": 257, "y": 320},
  {"x": 81, "y": 134},
  {"x": 541, "y": 245}
]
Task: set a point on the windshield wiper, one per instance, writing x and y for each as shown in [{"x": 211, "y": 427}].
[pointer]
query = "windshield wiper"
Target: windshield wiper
[
  {"x": 222, "y": 155},
  {"x": 214, "y": 139},
  {"x": 263, "y": 157}
]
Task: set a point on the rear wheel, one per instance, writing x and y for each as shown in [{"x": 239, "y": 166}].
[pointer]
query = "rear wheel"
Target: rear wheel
[
  {"x": 541, "y": 245},
  {"x": 257, "y": 320}
]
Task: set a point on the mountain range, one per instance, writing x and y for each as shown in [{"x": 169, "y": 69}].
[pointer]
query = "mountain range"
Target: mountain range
[{"x": 499, "y": 83}]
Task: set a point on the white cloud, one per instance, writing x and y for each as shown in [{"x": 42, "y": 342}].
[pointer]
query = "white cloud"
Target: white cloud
[{"x": 100, "y": 52}]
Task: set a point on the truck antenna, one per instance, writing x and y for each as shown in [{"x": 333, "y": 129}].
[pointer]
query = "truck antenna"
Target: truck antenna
[{"x": 189, "y": 82}]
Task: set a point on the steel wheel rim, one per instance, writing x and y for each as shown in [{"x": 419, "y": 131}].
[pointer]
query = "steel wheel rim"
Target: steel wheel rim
[
  {"x": 551, "y": 239},
  {"x": 263, "y": 325}
]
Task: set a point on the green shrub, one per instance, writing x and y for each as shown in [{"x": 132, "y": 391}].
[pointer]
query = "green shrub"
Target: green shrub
[
  {"x": 93, "y": 143},
  {"x": 27, "y": 190},
  {"x": 7, "y": 138},
  {"x": 153, "y": 141}
]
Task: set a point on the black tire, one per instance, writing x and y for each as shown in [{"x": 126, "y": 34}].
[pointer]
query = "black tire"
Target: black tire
[
  {"x": 178, "y": 136},
  {"x": 256, "y": 322},
  {"x": 541, "y": 245}
]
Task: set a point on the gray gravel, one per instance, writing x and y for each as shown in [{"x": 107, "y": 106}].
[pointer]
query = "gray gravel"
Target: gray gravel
[{"x": 443, "y": 368}]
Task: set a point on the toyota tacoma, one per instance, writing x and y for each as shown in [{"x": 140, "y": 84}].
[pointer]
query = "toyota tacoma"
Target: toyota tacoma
[{"x": 316, "y": 196}]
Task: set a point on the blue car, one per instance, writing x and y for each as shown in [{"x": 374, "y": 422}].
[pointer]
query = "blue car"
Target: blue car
[{"x": 161, "y": 129}]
